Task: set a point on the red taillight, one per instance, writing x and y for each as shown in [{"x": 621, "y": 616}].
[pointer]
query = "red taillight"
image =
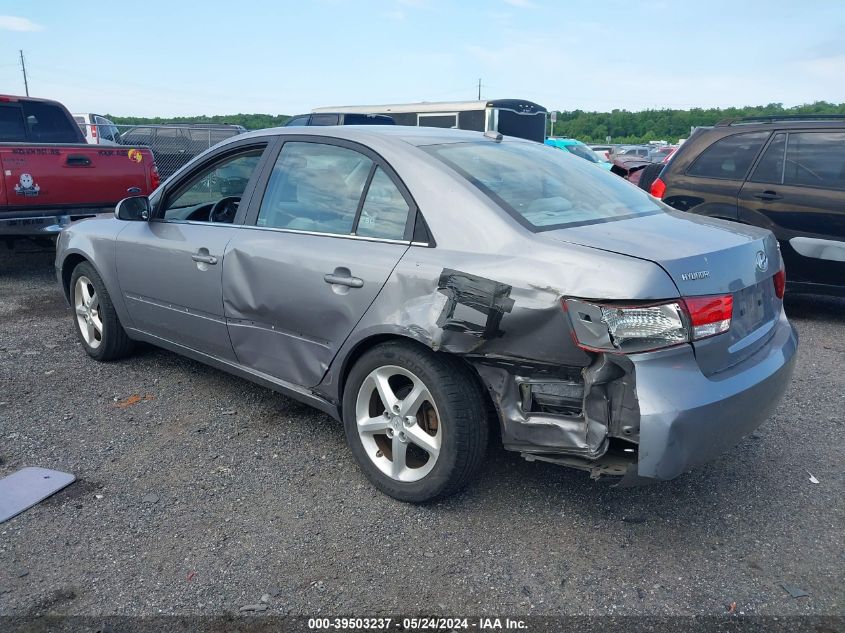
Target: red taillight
[
  {"x": 709, "y": 315},
  {"x": 780, "y": 283},
  {"x": 658, "y": 188},
  {"x": 93, "y": 131},
  {"x": 155, "y": 179}
]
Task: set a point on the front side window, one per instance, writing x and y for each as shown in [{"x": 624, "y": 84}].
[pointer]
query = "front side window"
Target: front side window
[
  {"x": 224, "y": 182},
  {"x": 543, "y": 188},
  {"x": 315, "y": 187},
  {"x": 816, "y": 159},
  {"x": 730, "y": 157}
]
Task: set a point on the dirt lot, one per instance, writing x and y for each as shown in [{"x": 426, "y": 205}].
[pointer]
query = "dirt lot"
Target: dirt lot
[{"x": 211, "y": 493}]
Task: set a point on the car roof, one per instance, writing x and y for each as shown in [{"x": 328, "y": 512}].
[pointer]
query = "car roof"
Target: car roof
[{"x": 411, "y": 135}]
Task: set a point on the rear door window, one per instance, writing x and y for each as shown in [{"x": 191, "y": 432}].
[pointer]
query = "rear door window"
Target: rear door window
[
  {"x": 815, "y": 159},
  {"x": 315, "y": 187},
  {"x": 770, "y": 167},
  {"x": 729, "y": 158}
]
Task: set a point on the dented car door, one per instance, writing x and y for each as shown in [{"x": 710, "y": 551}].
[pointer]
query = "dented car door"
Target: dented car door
[{"x": 316, "y": 251}]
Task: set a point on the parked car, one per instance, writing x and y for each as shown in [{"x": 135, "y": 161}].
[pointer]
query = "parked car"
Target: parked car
[
  {"x": 629, "y": 167},
  {"x": 51, "y": 176},
  {"x": 640, "y": 151},
  {"x": 602, "y": 150},
  {"x": 786, "y": 174},
  {"x": 580, "y": 150},
  {"x": 412, "y": 281},
  {"x": 340, "y": 118},
  {"x": 661, "y": 154},
  {"x": 98, "y": 130},
  {"x": 173, "y": 145}
]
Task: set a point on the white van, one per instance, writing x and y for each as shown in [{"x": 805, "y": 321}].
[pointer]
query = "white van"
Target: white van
[{"x": 98, "y": 130}]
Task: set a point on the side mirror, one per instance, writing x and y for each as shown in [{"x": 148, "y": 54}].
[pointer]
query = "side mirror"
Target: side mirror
[{"x": 134, "y": 209}]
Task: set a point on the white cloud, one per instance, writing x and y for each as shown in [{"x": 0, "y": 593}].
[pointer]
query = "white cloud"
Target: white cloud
[{"x": 14, "y": 23}]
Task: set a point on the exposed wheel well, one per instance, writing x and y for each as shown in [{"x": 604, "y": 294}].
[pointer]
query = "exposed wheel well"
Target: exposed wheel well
[
  {"x": 70, "y": 262},
  {"x": 367, "y": 344}
]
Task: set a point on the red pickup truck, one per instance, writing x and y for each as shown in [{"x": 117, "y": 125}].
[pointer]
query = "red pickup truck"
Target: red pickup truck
[{"x": 50, "y": 176}]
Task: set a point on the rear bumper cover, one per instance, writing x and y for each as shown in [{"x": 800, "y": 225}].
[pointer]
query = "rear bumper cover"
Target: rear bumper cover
[{"x": 687, "y": 419}]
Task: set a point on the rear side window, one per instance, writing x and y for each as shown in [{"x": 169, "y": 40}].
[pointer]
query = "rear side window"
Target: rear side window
[
  {"x": 770, "y": 167},
  {"x": 385, "y": 211},
  {"x": 730, "y": 157},
  {"x": 542, "y": 187},
  {"x": 315, "y": 187},
  {"x": 12, "y": 128},
  {"x": 49, "y": 124},
  {"x": 816, "y": 159},
  {"x": 297, "y": 121},
  {"x": 324, "y": 119}
]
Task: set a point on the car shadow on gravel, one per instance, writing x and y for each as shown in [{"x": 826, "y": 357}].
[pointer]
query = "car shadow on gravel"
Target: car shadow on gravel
[{"x": 815, "y": 307}]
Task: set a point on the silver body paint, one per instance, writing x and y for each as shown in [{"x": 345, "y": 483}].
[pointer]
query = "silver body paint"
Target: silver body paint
[{"x": 488, "y": 290}]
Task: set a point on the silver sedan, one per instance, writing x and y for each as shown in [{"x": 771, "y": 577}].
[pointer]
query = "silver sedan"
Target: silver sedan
[{"x": 423, "y": 285}]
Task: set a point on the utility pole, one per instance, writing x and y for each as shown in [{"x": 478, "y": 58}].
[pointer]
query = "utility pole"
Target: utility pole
[
  {"x": 23, "y": 68},
  {"x": 479, "y": 88}
]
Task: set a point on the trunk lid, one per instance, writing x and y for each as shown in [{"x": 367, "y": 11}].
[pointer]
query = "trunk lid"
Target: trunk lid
[{"x": 703, "y": 256}]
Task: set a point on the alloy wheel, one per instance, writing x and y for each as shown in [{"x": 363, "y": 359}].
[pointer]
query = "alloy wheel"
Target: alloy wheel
[
  {"x": 86, "y": 304},
  {"x": 398, "y": 423}
]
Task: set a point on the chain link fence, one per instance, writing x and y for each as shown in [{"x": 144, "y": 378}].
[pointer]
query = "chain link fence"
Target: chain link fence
[{"x": 172, "y": 145}]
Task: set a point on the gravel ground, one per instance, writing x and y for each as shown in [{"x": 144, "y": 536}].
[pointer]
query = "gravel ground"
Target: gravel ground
[{"x": 212, "y": 493}]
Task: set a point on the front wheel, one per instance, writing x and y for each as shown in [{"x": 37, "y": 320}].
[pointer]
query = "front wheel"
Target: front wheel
[
  {"x": 415, "y": 421},
  {"x": 96, "y": 322}
]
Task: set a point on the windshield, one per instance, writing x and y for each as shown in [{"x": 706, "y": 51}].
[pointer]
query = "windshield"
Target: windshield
[
  {"x": 582, "y": 151},
  {"x": 544, "y": 188}
]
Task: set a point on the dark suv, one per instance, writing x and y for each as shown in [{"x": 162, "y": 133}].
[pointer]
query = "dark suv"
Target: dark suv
[{"x": 786, "y": 174}]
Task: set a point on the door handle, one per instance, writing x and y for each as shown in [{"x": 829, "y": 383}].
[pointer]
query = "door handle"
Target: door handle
[
  {"x": 343, "y": 280},
  {"x": 77, "y": 160},
  {"x": 767, "y": 195},
  {"x": 204, "y": 259}
]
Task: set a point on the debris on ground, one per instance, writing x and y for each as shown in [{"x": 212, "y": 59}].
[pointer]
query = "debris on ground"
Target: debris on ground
[
  {"x": 732, "y": 608},
  {"x": 28, "y": 486},
  {"x": 254, "y": 608},
  {"x": 813, "y": 479},
  {"x": 191, "y": 575},
  {"x": 792, "y": 590},
  {"x": 150, "y": 497},
  {"x": 132, "y": 400}
]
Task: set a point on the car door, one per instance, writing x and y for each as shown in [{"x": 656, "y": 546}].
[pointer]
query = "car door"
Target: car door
[
  {"x": 797, "y": 190},
  {"x": 170, "y": 268},
  {"x": 319, "y": 245}
]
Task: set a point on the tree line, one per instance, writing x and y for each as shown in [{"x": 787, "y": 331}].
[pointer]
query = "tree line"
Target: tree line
[{"x": 623, "y": 126}]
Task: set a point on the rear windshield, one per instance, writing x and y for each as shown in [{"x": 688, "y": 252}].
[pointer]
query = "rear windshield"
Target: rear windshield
[{"x": 542, "y": 187}]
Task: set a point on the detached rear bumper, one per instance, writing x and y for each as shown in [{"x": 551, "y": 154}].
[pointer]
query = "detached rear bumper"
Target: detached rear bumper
[{"x": 687, "y": 418}]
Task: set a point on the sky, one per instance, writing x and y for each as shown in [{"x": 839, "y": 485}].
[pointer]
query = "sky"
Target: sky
[{"x": 181, "y": 58}]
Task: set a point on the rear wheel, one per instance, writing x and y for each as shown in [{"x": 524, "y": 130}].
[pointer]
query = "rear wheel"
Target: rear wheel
[
  {"x": 415, "y": 421},
  {"x": 97, "y": 325}
]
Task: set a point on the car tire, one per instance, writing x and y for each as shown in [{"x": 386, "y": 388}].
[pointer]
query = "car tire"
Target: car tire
[
  {"x": 395, "y": 448},
  {"x": 649, "y": 174},
  {"x": 94, "y": 318}
]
